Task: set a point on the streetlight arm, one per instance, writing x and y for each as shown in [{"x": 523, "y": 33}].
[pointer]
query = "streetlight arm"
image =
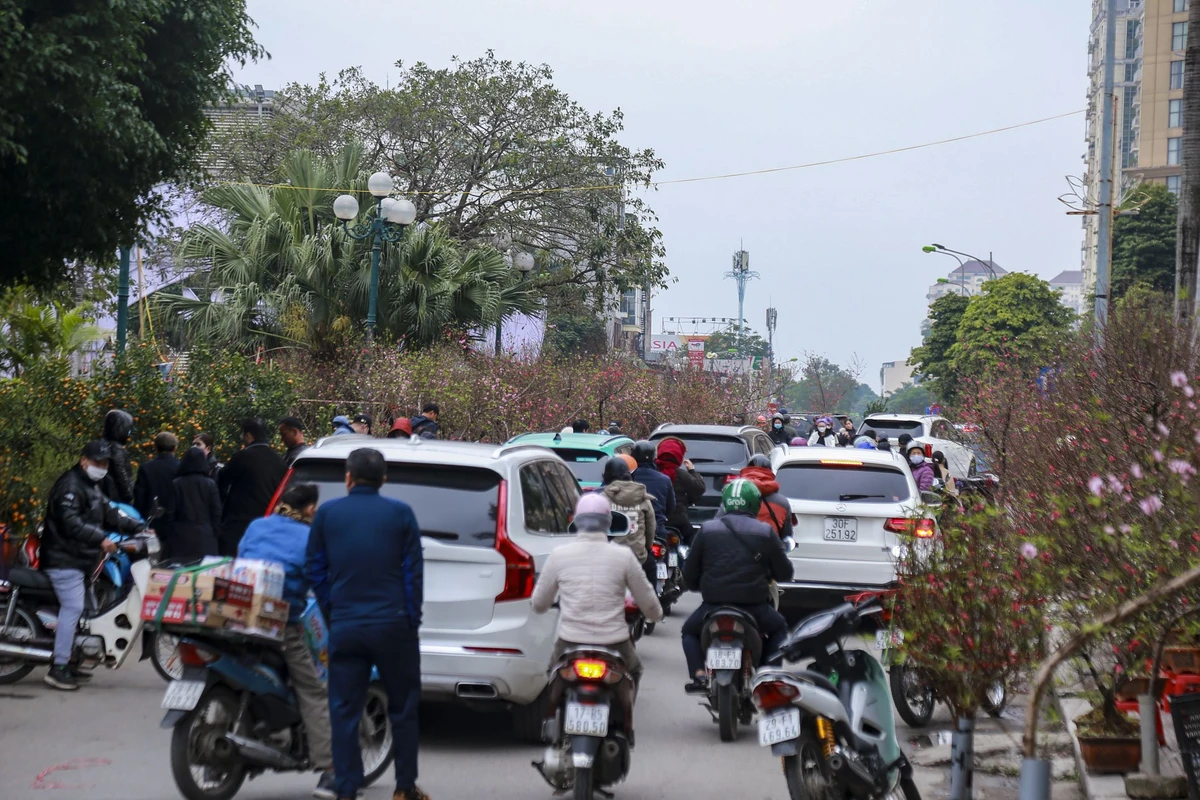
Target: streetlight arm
[{"x": 986, "y": 263}]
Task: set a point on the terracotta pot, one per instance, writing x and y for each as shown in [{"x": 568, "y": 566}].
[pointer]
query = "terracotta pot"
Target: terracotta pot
[{"x": 1110, "y": 754}]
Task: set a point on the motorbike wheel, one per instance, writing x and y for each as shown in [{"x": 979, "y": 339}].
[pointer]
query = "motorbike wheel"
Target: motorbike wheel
[
  {"x": 198, "y": 775},
  {"x": 24, "y": 629},
  {"x": 584, "y": 783},
  {"x": 727, "y": 712},
  {"x": 649, "y": 628},
  {"x": 913, "y": 699},
  {"x": 994, "y": 700},
  {"x": 164, "y": 655},
  {"x": 375, "y": 734},
  {"x": 805, "y": 772}
]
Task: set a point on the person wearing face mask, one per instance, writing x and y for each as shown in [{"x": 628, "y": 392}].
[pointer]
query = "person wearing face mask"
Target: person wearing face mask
[
  {"x": 74, "y": 536},
  {"x": 823, "y": 435},
  {"x": 778, "y": 432},
  {"x": 921, "y": 471}
]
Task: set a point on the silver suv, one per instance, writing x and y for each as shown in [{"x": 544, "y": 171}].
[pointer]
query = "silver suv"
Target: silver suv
[{"x": 489, "y": 517}]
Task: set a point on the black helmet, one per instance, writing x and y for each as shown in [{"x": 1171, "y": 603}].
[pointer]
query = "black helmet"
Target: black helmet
[
  {"x": 644, "y": 453},
  {"x": 615, "y": 469},
  {"x": 759, "y": 460},
  {"x": 118, "y": 426}
]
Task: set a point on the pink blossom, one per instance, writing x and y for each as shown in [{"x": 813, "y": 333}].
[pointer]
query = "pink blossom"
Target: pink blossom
[
  {"x": 1163, "y": 429},
  {"x": 1181, "y": 467},
  {"x": 1174, "y": 544},
  {"x": 1028, "y": 550},
  {"x": 1125, "y": 529},
  {"x": 1189, "y": 391},
  {"x": 1158, "y": 456},
  {"x": 1150, "y": 505},
  {"x": 1179, "y": 378},
  {"x": 1096, "y": 485},
  {"x": 1110, "y": 530},
  {"x": 1115, "y": 484},
  {"x": 1135, "y": 470}
]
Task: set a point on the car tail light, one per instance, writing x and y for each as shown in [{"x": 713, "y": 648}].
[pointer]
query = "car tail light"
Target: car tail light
[
  {"x": 657, "y": 549},
  {"x": 840, "y": 462},
  {"x": 920, "y": 528},
  {"x": 275, "y": 498},
  {"x": 193, "y": 656},
  {"x": 928, "y": 450},
  {"x": 773, "y": 694},
  {"x": 518, "y": 565},
  {"x": 590, "y": 670}
]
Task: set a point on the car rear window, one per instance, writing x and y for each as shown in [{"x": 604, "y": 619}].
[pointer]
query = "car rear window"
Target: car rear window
[
  {"x": 586, "y": 465},
  {"x": 453, "y": 504},
  {"x": 843, "y": 484},
  {"x": 713, "y": 449},
  {"x": 892, "y": 428}
]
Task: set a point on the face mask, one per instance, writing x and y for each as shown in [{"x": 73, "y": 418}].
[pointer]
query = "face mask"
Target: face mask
[
  {"x": 821, "y": 429},
  {"x": 916, "y": 458},
  {"x": 778, "y": 425},
  {"x": 96, "y": 473}
]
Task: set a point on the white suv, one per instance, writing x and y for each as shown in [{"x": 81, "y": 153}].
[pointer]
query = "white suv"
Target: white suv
[
  {"x": 852, "y": 511},
  {"x": 489, "y": 517},
  {"x": 927, "y": 429}
]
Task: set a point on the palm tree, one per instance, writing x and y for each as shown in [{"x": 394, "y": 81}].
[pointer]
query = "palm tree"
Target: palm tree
[{"x": 32, "y": 330}]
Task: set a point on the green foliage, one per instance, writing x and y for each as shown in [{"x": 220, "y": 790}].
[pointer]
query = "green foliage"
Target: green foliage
[
  {"x": 932, "y": 360},
  {"x": 35, "y": 330},
  {"x": 99, "y": 103},
  {"x": 1144, "y": 241},
  {"x": 575, "y": 334},
  {"x": 858, "y": 400},
  {"x": 910, "y": 399},
  {"x": 725, "y": 343}
]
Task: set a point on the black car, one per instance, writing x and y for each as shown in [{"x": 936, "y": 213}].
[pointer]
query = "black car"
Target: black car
[{"x": 718, "y": 452}]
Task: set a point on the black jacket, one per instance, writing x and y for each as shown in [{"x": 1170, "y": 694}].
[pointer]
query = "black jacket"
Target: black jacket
[
  {"x": 78, "y": 518},
  {"x": 424, "y": 427},
  {"x": 118, "y": 483},
  {"x": 248, "y": 482},
  {"x": 689, "y": 488},
  {"x": 289, "y": 457},
  {"x": 723, "y": 568},
  {"x": 195, "y": 510},
  {"x": 153, "y": 485},
  {"x": 662, "y": 496}
]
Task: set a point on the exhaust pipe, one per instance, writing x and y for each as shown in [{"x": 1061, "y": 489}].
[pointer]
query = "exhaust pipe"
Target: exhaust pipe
[
  {"x": 852, "y": 776},
  {"x": 261, "y": 754},
  {"x": 475, "y": 691},
  {"x": 37, "y": 655}
]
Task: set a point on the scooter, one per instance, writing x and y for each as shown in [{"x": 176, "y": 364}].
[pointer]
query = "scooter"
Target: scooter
[
  {"x": 832, "y": 723},
  {"x": 732, "y": 647},
  {"x": 669, "y": 553}
]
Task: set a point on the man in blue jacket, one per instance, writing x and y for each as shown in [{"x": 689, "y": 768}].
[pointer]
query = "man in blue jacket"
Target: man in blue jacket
[
  {"x": 658, "y": 486},
  {"x": 283, "y": 537},
  {"x": 367, "y": 571}
]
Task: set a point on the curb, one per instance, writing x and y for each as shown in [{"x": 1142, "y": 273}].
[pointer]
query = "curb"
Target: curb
[{"x": 1085, "y": 781}]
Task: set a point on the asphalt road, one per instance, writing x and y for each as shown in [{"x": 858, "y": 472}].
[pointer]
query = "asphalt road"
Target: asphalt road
[{"x": 103, "y": 741}]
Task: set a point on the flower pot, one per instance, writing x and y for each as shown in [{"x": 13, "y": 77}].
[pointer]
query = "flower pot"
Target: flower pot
[
  {"x": 1181, "y": 660},
  {"x": 1111, "y": 755}
]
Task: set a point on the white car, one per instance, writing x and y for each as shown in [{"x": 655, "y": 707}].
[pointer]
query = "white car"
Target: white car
[
  {"x": 489, "y": 516},
  {"x": 929, "y": 429},
  {"x": 852, "y": 511}
]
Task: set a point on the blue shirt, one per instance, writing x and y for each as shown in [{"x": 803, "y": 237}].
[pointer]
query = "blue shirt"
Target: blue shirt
[
  {"x": 283, "y": 540},
  {"x": 662, "y": 494},
  {"x": 364, "y": 559}
]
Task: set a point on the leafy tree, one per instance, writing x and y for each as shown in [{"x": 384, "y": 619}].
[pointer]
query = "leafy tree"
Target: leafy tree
[
  {"x": 932, "y": 360},
  {"x": 576, "y": 334},
  {"x": 1017, "y": 318},
  {"x": 823, "y": 386},
  {"x": 1144, "y": 243},
  {"x": 725, "y": 343},
  {"x": 911, "y": 399},
  {"x": 36, "y": 330},
  {"x": 100, "y": 102},
  {"x": 490, "y": 149}
]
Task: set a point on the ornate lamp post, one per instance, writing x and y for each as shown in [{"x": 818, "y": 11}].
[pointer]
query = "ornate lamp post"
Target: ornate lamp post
[{"x": 392, "y": 218}]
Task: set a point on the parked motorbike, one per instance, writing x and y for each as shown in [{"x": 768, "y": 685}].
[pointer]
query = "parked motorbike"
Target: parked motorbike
[
  {"x": 732, "y": 647},
  {"x": 233, "y": 716},
  {"x": 591, "y": 734},
  {"x": 914, "y": 694},
  {"x": 111, "y": 620},
  {"x": 832, "y": 723}
]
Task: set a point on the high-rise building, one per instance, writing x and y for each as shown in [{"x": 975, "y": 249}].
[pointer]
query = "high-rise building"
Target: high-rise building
[
  {"x": 1069, "y": 284},
  {"x": 1148, "y": 84},
  {"x": 251, "y": 102}
]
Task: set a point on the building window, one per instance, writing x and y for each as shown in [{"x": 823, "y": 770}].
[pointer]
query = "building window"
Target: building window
[
  {"x": 629, "y": 307},
  {"x": 1181, "y": 6},
  {"x": 1179, "y": 36},
  {"x": 1176, "y": 74},
  {"x": 1175, "y": 114},
  {"x": 1173, "y": 151},
  {"x": 1173, "y": 184}
]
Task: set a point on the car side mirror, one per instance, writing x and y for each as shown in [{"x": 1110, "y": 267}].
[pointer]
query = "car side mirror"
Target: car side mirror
[{"x": 931, "y": 498}]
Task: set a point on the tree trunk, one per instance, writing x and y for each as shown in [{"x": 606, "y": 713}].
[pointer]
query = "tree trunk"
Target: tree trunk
[{"x": 1187, "y": 245}]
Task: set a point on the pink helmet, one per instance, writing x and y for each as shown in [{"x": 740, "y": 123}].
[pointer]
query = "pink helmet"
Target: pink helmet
[{"x": 593, "y": 512}]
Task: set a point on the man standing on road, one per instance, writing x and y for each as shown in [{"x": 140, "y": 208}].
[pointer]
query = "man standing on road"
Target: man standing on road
[
  {"x": 247, "y": 484},
  {"x": 291, "y": 433},
  {"x": 118, "y": 483},
  {"x": 153, "y": 486},
  {"x": 366, "y": 568}
]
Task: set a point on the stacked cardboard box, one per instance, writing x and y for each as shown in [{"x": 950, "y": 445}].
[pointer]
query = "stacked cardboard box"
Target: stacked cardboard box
[{"x": 230, "y": 594}]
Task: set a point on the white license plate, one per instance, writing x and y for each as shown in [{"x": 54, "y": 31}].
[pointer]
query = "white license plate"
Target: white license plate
[
  {"x": 660, "y": 571},
  {"x": 723, "y": 658},
  {"x": 888, "y": 639},
  {"x": 183, "y": 695},
  {"x": 781, "y": 726},
  {"x": 841, "y": 529},
  {"x": 585, "y": 720},
  {"x": 672, "y": 559}
]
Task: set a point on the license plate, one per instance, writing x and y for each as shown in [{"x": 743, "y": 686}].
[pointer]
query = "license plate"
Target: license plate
[
  {"x": 183, "y": 695},
  {"x": 672, "y": 559},
  {"x": 585, "y": 720},
  {"x": 841, "y": 529},
  {"x": 782, "y": 726},
  {"x": 887, "y": 639},
  {"x": 660, "y": 571},
  {"x": 723, "y": 658}
]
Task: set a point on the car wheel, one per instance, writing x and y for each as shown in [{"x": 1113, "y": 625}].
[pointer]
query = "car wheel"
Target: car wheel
[{"x": 527, "y": 720}]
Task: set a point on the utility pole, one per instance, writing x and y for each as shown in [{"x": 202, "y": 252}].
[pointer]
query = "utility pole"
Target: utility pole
[
  {"x": 123, "y": 301},
  {"x": 1107, "y": 135},
  {"x": 772, "y": 321},
  {"x": 742, "y": 275}
]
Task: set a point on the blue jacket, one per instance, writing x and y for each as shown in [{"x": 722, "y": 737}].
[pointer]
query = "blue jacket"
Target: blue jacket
[
  {"x": 364, "y": 559},
  {"x": 423, "y": 426},
  {"x": 341, "y": 425},
  {"x": 285, "y": 540},
  {"x": 662, "y": 495}
]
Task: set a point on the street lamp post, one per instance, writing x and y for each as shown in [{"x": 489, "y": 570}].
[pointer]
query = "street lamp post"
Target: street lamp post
[
  {"x": 524, "y": 264},
  {"x": 986, "y": 264},
  {"x": 962, "y": 270},
  {"x": 392, "y": 217}
]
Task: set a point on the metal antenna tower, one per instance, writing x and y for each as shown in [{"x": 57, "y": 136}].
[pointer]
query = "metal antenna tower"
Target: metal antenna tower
[{"x": 742, "y": 274}]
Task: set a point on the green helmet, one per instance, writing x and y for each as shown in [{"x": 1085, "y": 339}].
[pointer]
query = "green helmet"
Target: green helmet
[{"x": 741, "y": 496}]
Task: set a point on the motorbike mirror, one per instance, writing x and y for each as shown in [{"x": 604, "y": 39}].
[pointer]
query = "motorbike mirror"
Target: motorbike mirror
[
  {"x": 789, "y": 544},
  {"x": 620, "y": 524}
]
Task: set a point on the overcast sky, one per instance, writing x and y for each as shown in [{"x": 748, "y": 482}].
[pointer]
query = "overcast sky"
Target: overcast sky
[{"x": 728, "y": 87}]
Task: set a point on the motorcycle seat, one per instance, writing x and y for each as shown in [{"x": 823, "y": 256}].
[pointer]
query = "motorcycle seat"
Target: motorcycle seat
[{"x": 28, "y": 578}]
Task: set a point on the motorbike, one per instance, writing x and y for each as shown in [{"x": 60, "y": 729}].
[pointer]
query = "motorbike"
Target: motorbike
[
  {"x": 233, "y": 716},
  {"x": 732, "y": 647},
  {"x": 636, "y": 620},
  {"x": 831, "y": 723},
  {"x": 914, "y": 695},
  {"x": 669, "y": 553},
  {"x": 591, "y": 734},
  {"x": 111, "y": 620}
]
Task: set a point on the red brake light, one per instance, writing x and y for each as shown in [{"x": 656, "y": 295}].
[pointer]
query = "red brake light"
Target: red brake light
[
  {"x": 193, "y": 656},
  {"x": 657, "y": 550},
  {"x": 920, "y": 528},
  {"x": 275, "y": 498},
  {"x": 590, "y": 670},
  {"x": 518, "y": 565},
  {"x": 774, "y": 694}
]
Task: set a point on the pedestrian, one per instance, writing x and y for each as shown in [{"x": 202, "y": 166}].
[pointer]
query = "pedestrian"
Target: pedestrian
[
  {"x": 401, "y": 429},
  {"x": 777, "y": 433},
  {"x": 341, "y": 426},
  {"x": 425, "y": 424},
  {"x": 361, "y": 424},
  {"x": 118, "y": 483},
  {"x": 823, "y": 435},
  {"x": 75, "y": 533},
  {"x": 614, "y": 428},
  {"x": 867, "y": 440},
  {"x": 291, "y": 433},
  {"x": 580, "y": 426},
  {"x": 247, "y": 484},
  {"x": 366, "y": 569},
  {"x": 195, "y": 511},
  {"x": 283, "y": 538},
  {"x": 152, "y": 490},
  {"x": 673, "y": 462},
  {"x": 205, "y": 442}
]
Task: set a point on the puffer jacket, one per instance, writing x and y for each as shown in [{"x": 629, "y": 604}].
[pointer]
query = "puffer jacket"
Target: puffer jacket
[
  {"x": 775, "y": 510},
  {"x": 118, "y": 483},
  {"x": 589, "y": 577},
  {"x": 285, "y": 541},
  {"x": 737, "y": 571},
  {"x": 78, "y": 518},
  {"x": 689, "y": 488},
  {"x": 630, "y": 499}
]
